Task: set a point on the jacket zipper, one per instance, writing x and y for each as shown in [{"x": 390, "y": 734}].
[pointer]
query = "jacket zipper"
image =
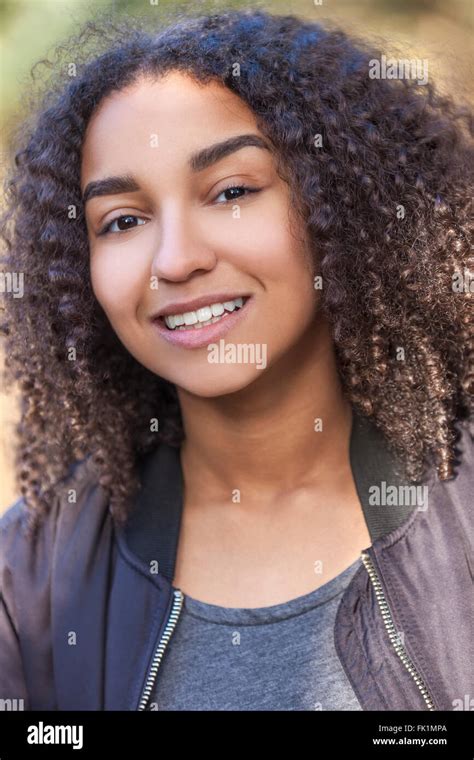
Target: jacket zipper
[
  {"x": 387, "y": 617},
  {"x": 392, "y": 632},
  {"x": 176, "y": 608}
]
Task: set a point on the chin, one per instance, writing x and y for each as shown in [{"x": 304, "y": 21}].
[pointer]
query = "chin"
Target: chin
[{"x": 218, "y": 380}]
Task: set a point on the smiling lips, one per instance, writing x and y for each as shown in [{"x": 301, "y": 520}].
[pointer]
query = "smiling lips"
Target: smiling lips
[
  {"x": 198, "y": 329},
  {"x": 204, "y": 316}
]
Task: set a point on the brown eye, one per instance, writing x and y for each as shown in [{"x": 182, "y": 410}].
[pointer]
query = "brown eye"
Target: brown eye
[
  {"x": 125, "y": 222},
  {"x": 239, "y": 188}
]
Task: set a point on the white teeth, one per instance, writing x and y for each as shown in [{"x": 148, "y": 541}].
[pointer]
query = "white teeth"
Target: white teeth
[
  {"x": 198, "y": 325},
  {"x": 190, "y": 317},
  {"x": 204, "y": 316},
  {"x": 217, "y": 309}
]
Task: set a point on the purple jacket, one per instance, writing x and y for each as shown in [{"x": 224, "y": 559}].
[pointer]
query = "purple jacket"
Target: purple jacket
[{"x": 85, "y": 617}]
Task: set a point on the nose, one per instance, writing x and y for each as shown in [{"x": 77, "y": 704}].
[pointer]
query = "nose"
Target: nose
[{"x": 182, "y": 250}]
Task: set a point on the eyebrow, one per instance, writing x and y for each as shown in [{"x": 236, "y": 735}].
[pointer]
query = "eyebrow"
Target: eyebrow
[{"x": 202, "y": 159}]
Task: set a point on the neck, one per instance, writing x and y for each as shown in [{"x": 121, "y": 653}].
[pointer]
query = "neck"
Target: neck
[{"x": 262, "y": 439}]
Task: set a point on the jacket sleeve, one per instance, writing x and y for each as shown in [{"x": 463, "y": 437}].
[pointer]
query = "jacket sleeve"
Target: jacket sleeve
[{"x": 13, "y": 690}]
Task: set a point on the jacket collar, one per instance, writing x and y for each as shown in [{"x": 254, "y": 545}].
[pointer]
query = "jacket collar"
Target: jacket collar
[{"x": 152, "y": 530}]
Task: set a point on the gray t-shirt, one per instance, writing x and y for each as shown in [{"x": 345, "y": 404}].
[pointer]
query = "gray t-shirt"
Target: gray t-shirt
[{"x": 280, "y": 657}]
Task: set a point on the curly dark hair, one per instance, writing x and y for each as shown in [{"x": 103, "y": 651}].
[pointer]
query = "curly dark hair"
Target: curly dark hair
[{"x": 402, "y": 333}]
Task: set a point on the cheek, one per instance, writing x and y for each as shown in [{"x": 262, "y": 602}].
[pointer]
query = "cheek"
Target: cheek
[
  {"x": 283, "y": 265},
  {"x": 272, "y": 249},
  {"x": 117, "y": 285}
]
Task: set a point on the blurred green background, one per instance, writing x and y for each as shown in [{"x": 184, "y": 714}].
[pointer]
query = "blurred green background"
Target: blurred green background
[{"x": 439, "y": 30}]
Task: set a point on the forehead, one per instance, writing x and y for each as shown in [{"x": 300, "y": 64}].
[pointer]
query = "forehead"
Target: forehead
[{"x": 174, "y": 110}]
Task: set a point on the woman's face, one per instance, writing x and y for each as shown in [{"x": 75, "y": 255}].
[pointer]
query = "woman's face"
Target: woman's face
[{"x": 177, "y": 234}]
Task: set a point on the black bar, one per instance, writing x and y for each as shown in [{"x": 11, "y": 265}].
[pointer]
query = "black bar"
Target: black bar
[{"x": 377, "y": 734}]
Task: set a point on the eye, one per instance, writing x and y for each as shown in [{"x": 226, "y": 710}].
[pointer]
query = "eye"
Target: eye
[
  {"x": 108, "y": 227},
  {"x": 238, "y": 188}
]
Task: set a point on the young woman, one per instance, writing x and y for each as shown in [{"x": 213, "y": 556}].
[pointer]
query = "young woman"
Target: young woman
[{"x": 246, "y": 362}]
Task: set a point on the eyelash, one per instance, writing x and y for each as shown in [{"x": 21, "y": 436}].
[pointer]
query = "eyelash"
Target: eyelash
[{"x": 106, "y": 229}]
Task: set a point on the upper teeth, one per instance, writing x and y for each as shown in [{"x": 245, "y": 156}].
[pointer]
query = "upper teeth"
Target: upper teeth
[{"x": 205, "y": 314}]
